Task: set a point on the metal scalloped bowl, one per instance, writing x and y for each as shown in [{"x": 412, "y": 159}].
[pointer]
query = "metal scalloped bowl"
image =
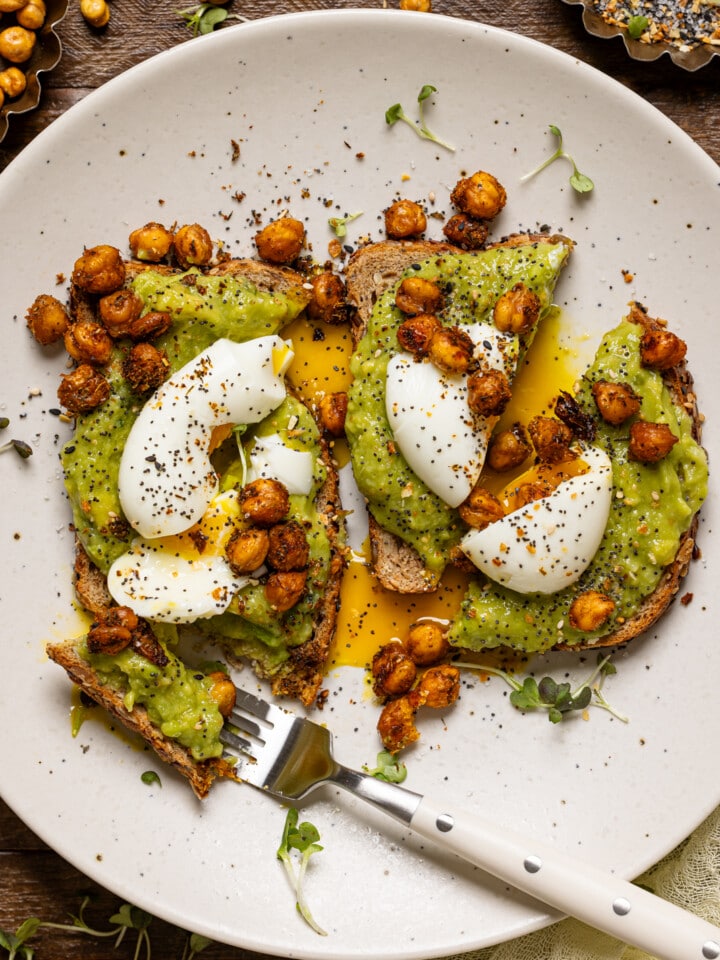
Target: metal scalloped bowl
[
  {"x": 688, "y": 59},
  {"x": 46, "y": 56}
]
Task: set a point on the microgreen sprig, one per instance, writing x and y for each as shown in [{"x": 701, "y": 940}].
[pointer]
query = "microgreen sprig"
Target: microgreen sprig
[
  {"x": 578, "y": 181},
  {"x": 339, "y": 224},
  {"x": 204, "y": 17},
  {"x": 304, "y": 838},
  {"x": 396, "y": 112},
  {"x": 387, "y": 768},
  {"x": 22, "y": 449}
]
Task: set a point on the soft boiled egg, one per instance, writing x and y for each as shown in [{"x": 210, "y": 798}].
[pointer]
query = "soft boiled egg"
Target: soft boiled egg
[
  {"x": 443, "y": 442},
  {"x": 547, "y": 544},
  {"x": 166, "y": 480},
  {"x": 271, "y": 458},
  {"x": 181, "y": 578}
]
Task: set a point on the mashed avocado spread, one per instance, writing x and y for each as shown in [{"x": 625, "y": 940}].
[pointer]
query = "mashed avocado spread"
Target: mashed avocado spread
[
  {"x": 471, "y": 283},
  {"x": 652, "y": 507}
]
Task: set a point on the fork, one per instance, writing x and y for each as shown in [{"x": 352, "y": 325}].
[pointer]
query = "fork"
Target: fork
[{"x": 289, "y": 756}]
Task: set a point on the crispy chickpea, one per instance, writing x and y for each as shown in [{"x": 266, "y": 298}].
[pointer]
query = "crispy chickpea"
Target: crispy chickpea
[
  {"x": 532, "y": 490},
  {"x": 96, "y": 12},
  {"x": 660, "y": 349},
  {"x": 193, "y": 246},
  {"x": 12, "y": 82},
  {"x": 488, "y": 393},
  {"x": 284, "y": 588},
  {"x": 246, "y": 549},
  {"x": 516, "y": 310},
  {"x": 650, "y": 442},
  {"x": 32, "y": 15},
  {"x": 10, "y": 6},
  {"x": 145, "y": 367},
  {"x": 509, "y": 448},
  {"x": 426, "y": 643},
  {"x": 222, "y": 691},
  {"x": 405, "y": 218},
  {"x": 481, "y": 508},
  {"x": 396, "y": 725},
  {"x": 466, "y": 232},
  {"x": 551, "y": 439},
  {"x": 17, "y": 44},
  {"x": 151, "y": 243},
  {"x": 83, "y": 389},
  {"x": 451, "y": 350},
  {"x": 438, "y": 687},
  {"x": 112, "y": 631},
  {"x": 150, "y": 325},
  {"x": 147, "y": 644},
  {"x": 480, "y": 196},
  {"x": 415, "y": 333},
  {"x": 332, "y": 410},
  {"x": 281, "y": 241},
  {"x": 117, "y": 311},
  {"x": 421, "y": 6},
  {"x": 393, "y": 671},
  {"x": 616, "y": 402},
  {"x": 418, "y": 295},
  {"x": 590, "y": 610},
  {"x": 264, "y": 502},
  {"x": 100, "y": 269},
  {"x": 327, "y": 302},
  {"x": 47, "y": 319},
  {"x": 288, "y": 547},
  {"x": 88, "y": 342}
]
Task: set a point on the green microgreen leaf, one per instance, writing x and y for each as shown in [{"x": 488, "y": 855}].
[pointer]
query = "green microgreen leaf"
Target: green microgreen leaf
[
  {"x": 4, "y": 422},
  {"x": 304, "y": 838},
  {"x": 204, "y": 17},
  {"x": 339, "y": 224},
  {"x": 22, "y": 449},
  {"x": 388, "y": 767},
  {"x": 396, "y": 112},
  {"x": 150, "y": 777},
  {"x": 636, "y": 27},
  {"x": 578, "y": 181}
]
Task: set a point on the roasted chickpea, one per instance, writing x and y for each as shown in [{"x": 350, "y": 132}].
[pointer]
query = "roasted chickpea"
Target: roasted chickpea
[
  {"x": 284, "y": 588},
  {"x": 32, "y": 15},
  {"x": 516, "y": 310},
  {"x": 281, "y": 241},
  {"x": 650, "y": 442},
  {"x": 88, "y": 342},
  {"x": 96, "y": 12},
  {"x": 488, "y": 392},
  {"x": 551, "y": 439},
  {"x": 438, "y": 687},
  {"x": 150, "y": 325},
  {"x": 332, "y": 410},
  {"x": 145, "y": 367},
  {"x": 99, "y": 270},
  {"x": 466, "y": 232},
  {"x": 426, "y": 642},
  {"x": 47, "y": 319},
  {"x": 660, "y": 349},
  {"x": 421, "y": 6},
  {"x": 193, "y": 246},
  {"x": 264, "y": 502},
  {"x": 327, "y": 302},
  {"x": 246, "y": 549},
  {"x": 396, "y": 725},
  {"x": 83, "y": 389},
  {"x": 151, "y": 243},
  {"x": 117, "y": 311},
  {"x": 417, "y": 295},
  {"x": 451, "y": 350},
  {"x": 2, "y": 98},
  {"x": 288, "y": 547},
  {"x": 415, "y": 333},
  {"x": 10, "y": 6},
  {"x": 480, "y": 196},
  {"x": 616, "y": 402},
  {"x": 147, "y": 644},
  {"x": 112, "y": 631},
  {"x": 590, "y": 610},
  {"x": 405, "y": 218},
  {"x": 17, "y": 44},
  {"x": 481, "y": 508},
  {"x": 393, "y": 670},
  {"x": 12, "y": 82},
  {"x": 530, "y": 491},
  {"x": 222, "y": 691},
  {"x": 509, "y": 448}
]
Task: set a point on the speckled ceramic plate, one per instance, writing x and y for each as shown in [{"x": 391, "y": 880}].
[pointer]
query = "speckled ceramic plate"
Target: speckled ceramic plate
[
  {"x": 290, "y": 111},
  {"x": 46, "y": 56},
  {"x": 690, "y": 56}
]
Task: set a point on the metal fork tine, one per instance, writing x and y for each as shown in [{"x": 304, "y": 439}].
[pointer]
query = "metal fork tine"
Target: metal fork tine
[
  {"x": 232, "y": 739},
  {"x": 246, "y": 724},
  {"x": 252, "y": 704}
]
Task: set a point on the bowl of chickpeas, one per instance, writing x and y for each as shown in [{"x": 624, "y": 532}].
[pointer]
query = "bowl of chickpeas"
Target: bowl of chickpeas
[{"x": 29, "y": 46}]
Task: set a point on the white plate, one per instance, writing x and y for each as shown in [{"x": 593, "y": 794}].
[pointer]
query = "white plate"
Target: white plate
[{"x": 303, "y": 95}]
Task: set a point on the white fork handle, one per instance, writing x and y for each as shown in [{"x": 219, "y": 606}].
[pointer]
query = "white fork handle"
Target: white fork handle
[{"x": 579, "y": 889}]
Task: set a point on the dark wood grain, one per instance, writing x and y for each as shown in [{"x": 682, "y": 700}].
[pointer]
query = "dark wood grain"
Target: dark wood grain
[{"x": 33, "y": 880}]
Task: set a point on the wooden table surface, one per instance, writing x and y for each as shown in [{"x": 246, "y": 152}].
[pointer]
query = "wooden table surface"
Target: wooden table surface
[{"x": 33, "y": 880}]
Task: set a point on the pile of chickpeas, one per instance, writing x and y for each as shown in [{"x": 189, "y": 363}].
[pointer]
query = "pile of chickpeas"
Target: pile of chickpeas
[{"x": 19, "y": 22}]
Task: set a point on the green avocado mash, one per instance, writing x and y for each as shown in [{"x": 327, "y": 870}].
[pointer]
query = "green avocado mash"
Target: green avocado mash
[
  {"x": 652, "y": 506},
  {"x": 472, "y": 282}
]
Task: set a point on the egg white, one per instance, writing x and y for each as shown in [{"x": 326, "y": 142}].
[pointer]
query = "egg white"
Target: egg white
[
  {"x": 271, "y": 458},
  {"x": 547, "y": 544}
]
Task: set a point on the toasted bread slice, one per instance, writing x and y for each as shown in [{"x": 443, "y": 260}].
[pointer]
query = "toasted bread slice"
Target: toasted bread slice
[{"x": 371, "y": 271}]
